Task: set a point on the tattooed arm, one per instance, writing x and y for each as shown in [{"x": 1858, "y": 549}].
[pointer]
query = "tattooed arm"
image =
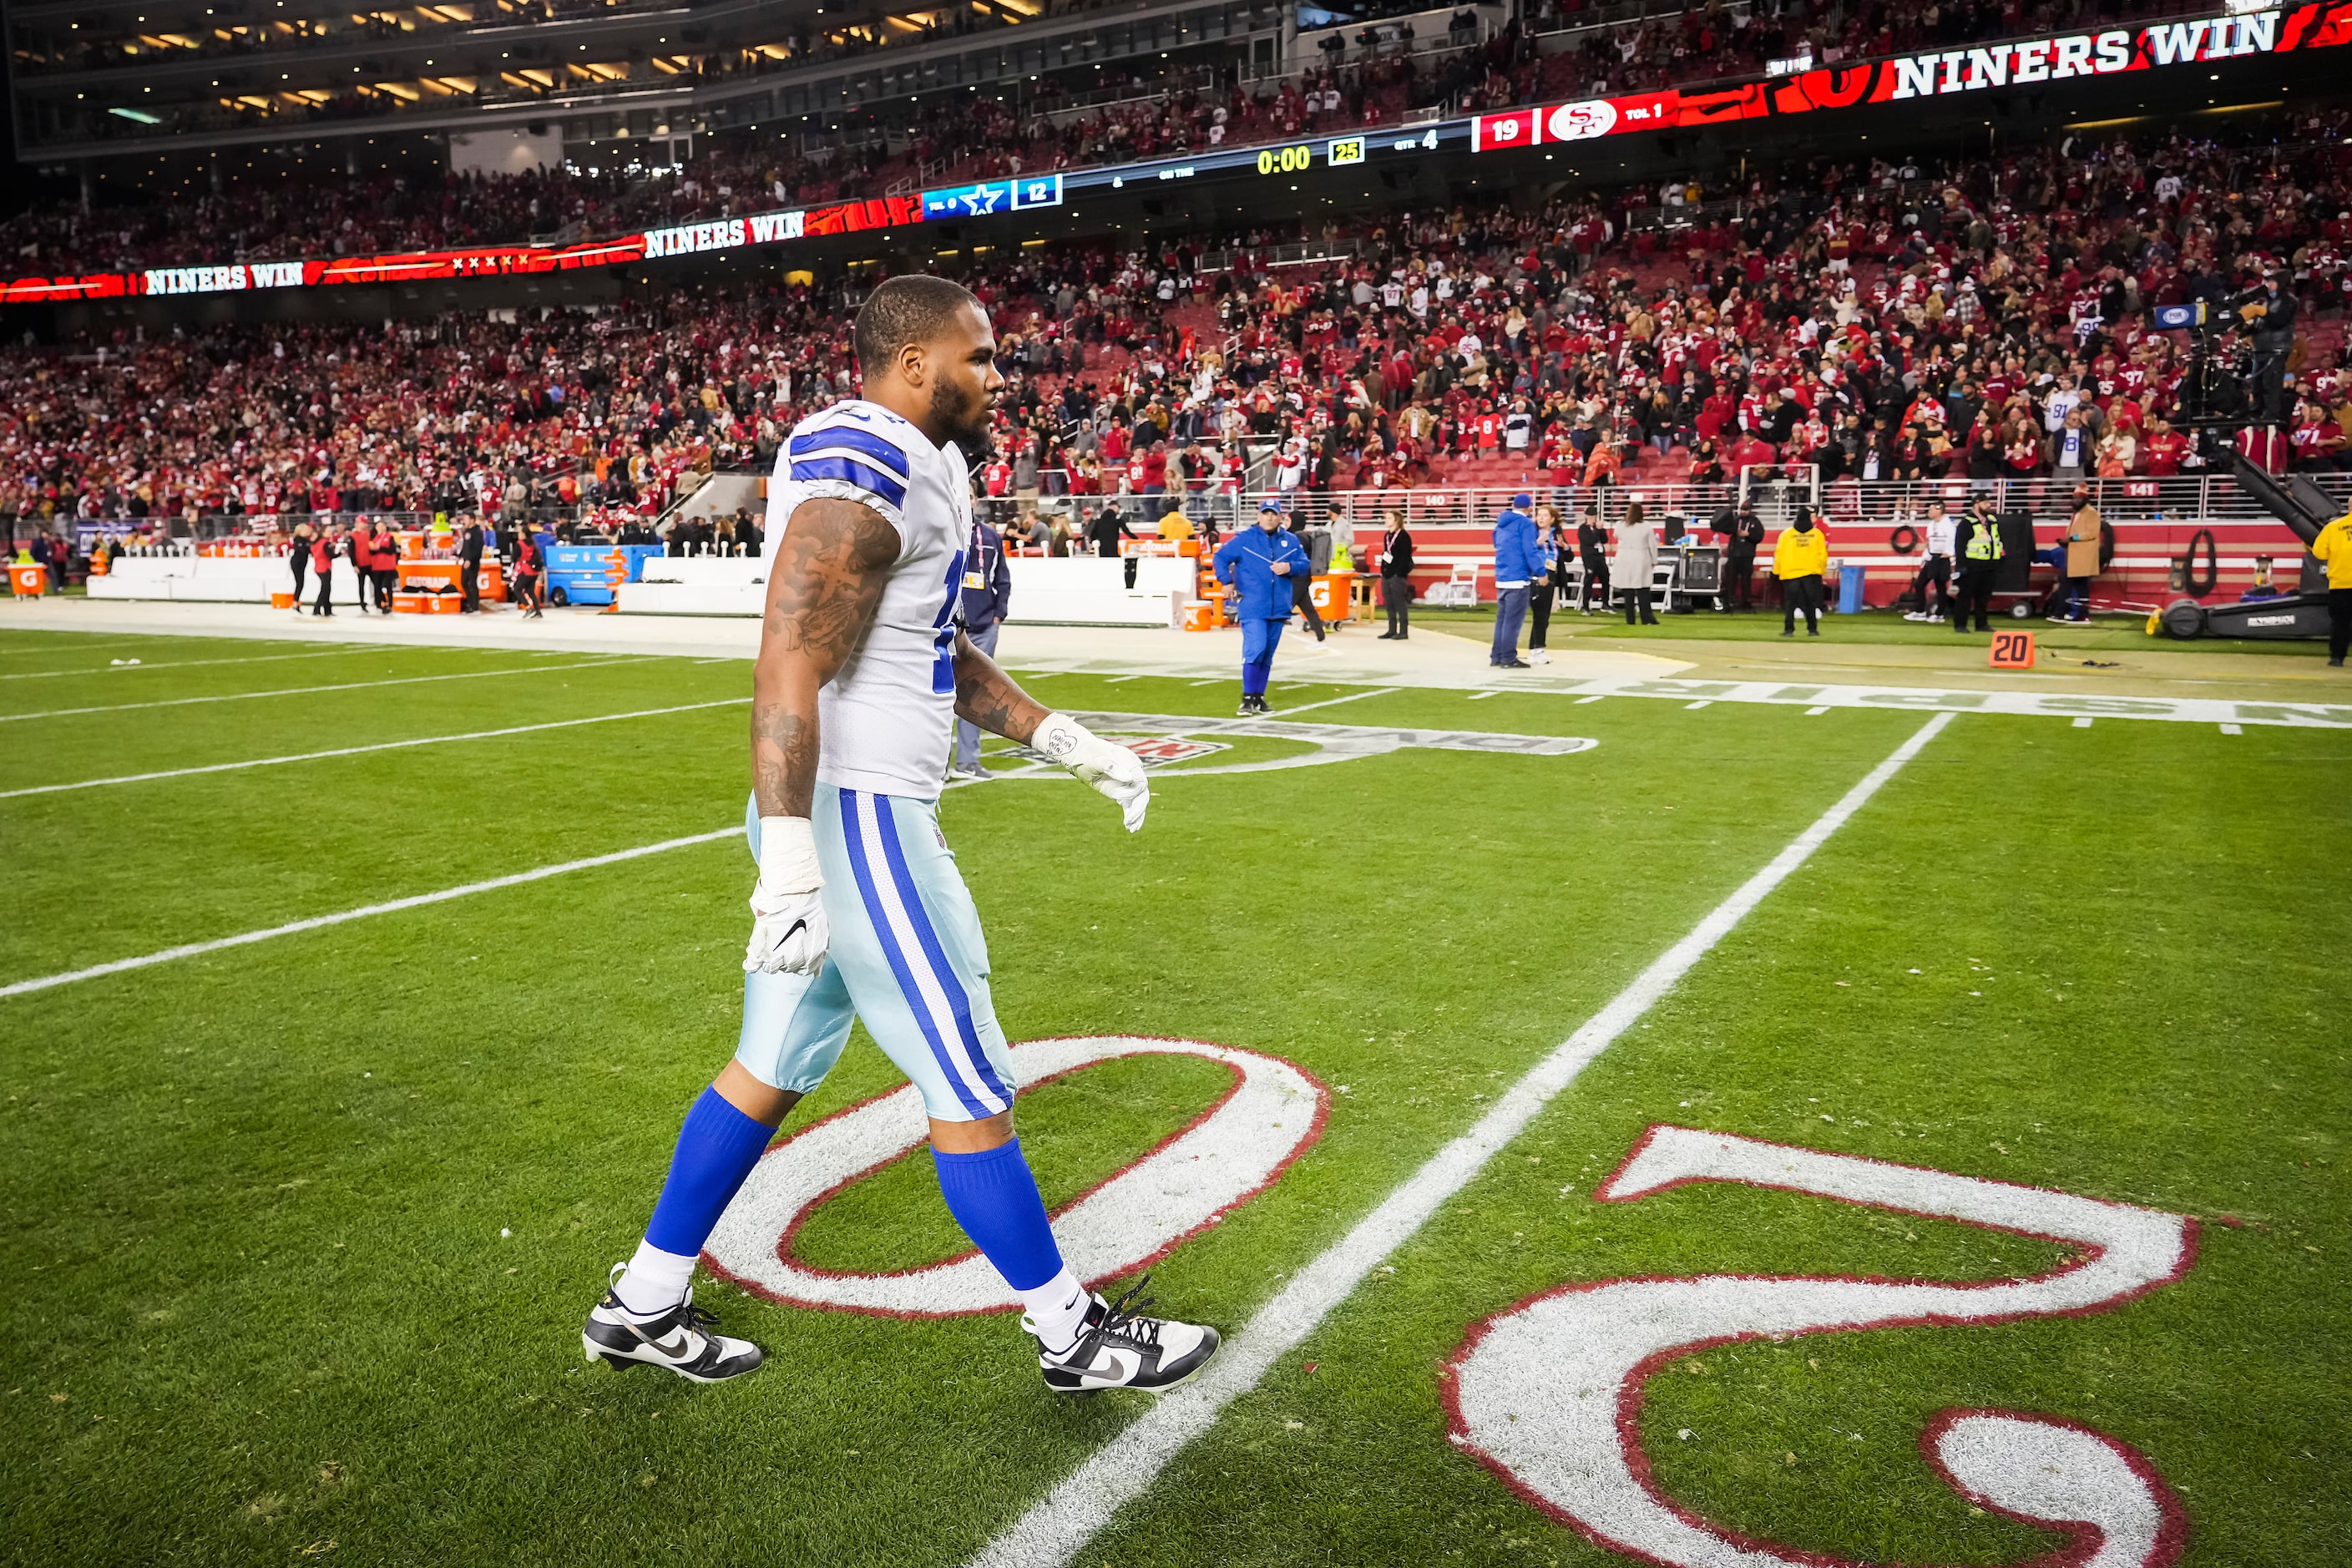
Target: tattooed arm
[
  {"x": 987, "y": 697},
  {"x": 827, "y": 578}
]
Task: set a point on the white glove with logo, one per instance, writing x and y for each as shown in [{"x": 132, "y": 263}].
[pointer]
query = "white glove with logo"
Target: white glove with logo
[
  {"x": 789, "y": 935},
  {"x": 1112, "y": 770}
]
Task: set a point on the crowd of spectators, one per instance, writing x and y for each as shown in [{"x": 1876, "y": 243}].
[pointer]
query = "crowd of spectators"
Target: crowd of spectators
[
  {"x": 1990, "y": 321},
  {"x": 1987, "y": 320}
]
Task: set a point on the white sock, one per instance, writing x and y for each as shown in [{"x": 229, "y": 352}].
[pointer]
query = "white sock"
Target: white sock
[
  {"x": 655, "y": 1280},
  {"x": 1057, "y": 1308}
]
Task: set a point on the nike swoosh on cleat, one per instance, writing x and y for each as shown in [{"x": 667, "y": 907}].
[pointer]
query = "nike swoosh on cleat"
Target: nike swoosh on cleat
[{"x": 1125, "y": 1365}]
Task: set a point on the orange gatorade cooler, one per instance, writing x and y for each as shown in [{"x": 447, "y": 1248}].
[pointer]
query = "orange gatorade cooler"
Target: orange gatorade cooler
[{"x": 1333, "y": 596}]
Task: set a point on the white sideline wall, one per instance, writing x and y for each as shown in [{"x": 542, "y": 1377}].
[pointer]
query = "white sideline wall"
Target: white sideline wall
[
  {"x": 212, "y": 578},
  {"x": 1076, "y": 590}
]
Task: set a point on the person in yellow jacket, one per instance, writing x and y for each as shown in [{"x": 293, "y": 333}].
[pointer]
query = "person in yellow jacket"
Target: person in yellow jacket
[
  {"x": 2333, "y": 546},
  {"x": 1801, "y": 559}
]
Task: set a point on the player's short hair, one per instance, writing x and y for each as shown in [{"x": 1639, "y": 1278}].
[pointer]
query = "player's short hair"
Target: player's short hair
[{"x": 912, "y": 308}]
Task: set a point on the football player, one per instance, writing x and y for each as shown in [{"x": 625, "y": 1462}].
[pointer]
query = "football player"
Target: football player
[{"x": 859, "y": 909}]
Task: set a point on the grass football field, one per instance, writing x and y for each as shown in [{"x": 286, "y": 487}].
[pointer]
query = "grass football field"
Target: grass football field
[{"x": 299, "y": 1231}]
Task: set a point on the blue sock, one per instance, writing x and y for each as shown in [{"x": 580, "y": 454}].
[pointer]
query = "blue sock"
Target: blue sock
[
  {"x": 994, "y": 1198},
  {"x": 716, "y": 1151}
]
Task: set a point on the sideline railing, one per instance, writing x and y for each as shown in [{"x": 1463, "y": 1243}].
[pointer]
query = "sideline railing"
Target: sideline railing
[
  {"x": 2186, "y": 501},
  {"x": 2181, "y": 503}
]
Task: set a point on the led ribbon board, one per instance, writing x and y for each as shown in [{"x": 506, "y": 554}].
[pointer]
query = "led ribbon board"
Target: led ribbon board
[{"x": 2029, "y": 62}]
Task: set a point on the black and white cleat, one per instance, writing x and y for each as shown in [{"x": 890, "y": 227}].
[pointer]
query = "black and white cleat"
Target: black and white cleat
[
  {"x": 677, "y": 1340},
  {"x": 1121, "y": 1348}
]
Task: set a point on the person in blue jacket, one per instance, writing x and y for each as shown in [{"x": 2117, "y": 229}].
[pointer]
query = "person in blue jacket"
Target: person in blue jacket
[
  {"x": 1518, "y": 566},
  {"x": 983, "y": 601},
  {"x": 1256, "y": 565}
]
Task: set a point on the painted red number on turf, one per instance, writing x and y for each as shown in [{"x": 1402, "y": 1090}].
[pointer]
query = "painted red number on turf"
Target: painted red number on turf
[
  {"x": 1549, "y": 1393},
  {"x": 1230, "y": 1153}
]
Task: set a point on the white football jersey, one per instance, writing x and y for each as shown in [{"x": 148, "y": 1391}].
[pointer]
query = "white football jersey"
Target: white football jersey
[{"x": 885, "y": 720}]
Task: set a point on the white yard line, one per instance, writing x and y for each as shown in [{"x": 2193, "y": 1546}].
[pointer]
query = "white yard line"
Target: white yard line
[
  {"x": 312, "y": 690},
  {"x": 1213, "y": 726},
  {"x": 345, "y": 650},
  {"x": 1074, "y": 1512},
  {"x": 78, "y": 642},
  {"x": 361, "y": 751},
  {"x": 316, "y": 922}
]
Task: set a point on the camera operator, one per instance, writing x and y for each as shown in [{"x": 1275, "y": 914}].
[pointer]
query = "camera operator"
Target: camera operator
[{"x": 2269, "y": 311}]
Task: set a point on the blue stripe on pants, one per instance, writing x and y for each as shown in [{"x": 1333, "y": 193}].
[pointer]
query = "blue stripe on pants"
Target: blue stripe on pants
[
  {"x": 878, "y": 915},
  {"x": 959, "y": 1001}
]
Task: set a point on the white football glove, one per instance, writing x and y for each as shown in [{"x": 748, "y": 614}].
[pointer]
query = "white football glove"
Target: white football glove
[
  {"x": 1112, "y": 770},
  {"x": 789, "y": 935}
]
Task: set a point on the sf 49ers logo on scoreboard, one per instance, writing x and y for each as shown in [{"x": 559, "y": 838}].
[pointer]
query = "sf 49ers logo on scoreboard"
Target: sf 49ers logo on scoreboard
[{"x": 1579, "y": 122}]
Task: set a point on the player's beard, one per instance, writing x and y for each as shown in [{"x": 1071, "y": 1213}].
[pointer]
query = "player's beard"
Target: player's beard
[{"x": 965, "y": 424}]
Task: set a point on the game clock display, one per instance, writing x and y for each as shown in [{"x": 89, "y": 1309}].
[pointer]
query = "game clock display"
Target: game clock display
[{"x": 1337, "y": 153}]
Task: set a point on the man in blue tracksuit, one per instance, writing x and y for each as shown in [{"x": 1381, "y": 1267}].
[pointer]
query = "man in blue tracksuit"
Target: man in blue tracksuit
[
  {"x": 1519, "y": 565},
  {"x": 1256, "y": 565},
  {"x": 983, "y": 601}
]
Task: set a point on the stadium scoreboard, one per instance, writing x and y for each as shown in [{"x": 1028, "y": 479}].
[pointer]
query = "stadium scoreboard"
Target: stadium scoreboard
[{"x": 1284, "y": 160}]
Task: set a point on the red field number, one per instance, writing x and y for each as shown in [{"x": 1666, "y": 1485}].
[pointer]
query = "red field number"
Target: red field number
[{"x": 2013, "y": 650}]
